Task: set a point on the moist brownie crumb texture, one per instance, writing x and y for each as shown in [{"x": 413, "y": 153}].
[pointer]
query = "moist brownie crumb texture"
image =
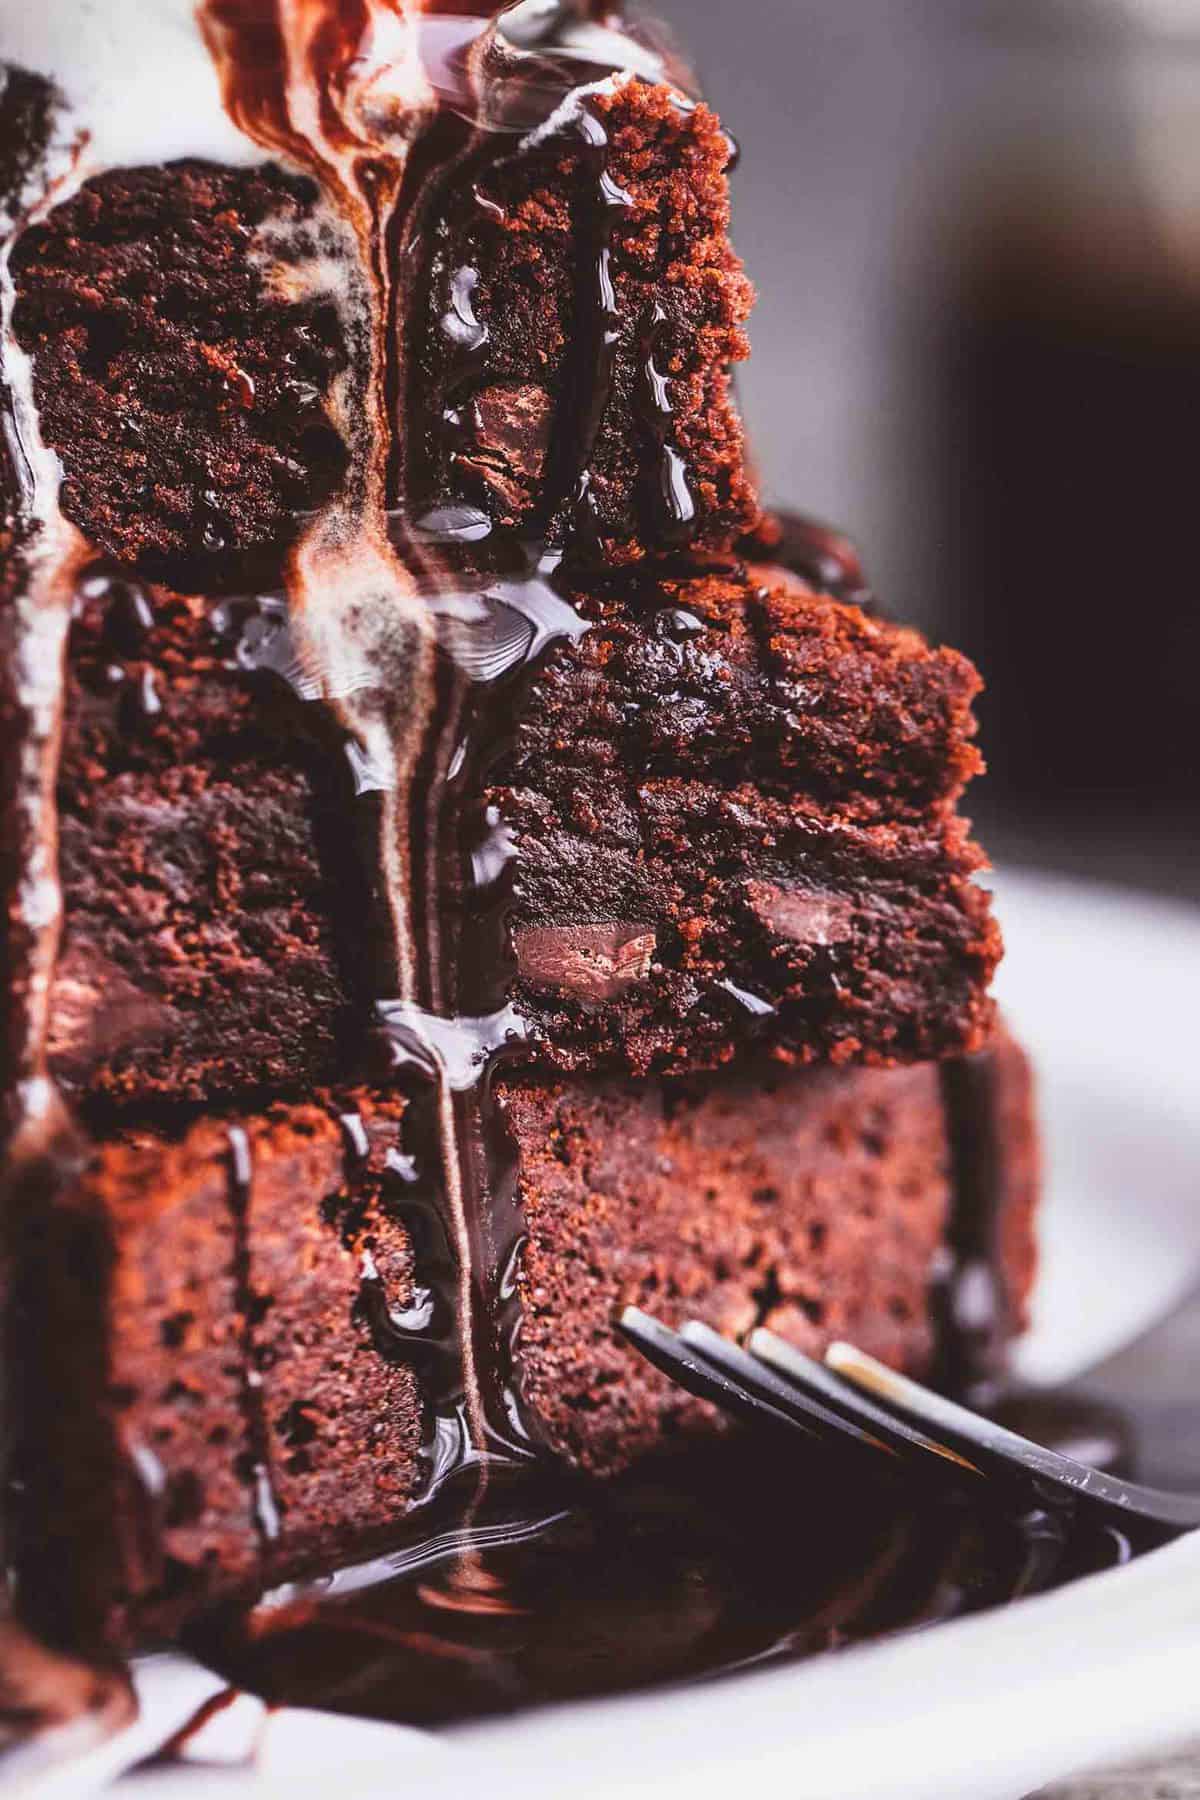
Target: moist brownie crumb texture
[{"x": 456, "y": 882}]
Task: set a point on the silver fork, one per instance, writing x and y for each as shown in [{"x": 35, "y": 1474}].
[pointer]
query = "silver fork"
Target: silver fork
[{"x": 867, "y": 1411}]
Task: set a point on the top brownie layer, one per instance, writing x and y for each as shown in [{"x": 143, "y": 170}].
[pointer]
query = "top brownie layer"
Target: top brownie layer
[
  {"x": 188, "y": 326},
  {"x": 571, "y": 360}
]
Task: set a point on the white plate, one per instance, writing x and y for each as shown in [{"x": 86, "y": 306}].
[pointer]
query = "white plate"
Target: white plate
[{"x": 1105, "y": 988}]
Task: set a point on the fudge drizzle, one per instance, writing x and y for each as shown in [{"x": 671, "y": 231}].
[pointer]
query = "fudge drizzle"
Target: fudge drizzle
[
  {"x": 970, "y": 1302},
  {"x": 413, "y": 648},
  {"x": 341, "y": 92},
  {"x": 415, "y": 634}
]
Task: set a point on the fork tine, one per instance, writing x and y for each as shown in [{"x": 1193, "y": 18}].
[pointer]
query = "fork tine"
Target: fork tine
[
  {"x": 758, "y": 1400},
  {"x": 814, "y": 1379},
  {"x": 667, "y": 1351},
  {"x": 735, "y": 1363},
  {"x": 1002, "y": 1452}
]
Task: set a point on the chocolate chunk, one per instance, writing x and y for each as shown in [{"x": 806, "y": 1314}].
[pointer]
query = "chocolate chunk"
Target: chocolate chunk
[
  {"x": 98, "y": 1012},
  {"x": 805, "y": 918},
  {"x": 510, "y": 428},
  {"x": 589, "y": 962}
]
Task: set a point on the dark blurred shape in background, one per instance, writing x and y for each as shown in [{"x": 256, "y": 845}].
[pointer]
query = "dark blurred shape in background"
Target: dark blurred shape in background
[{"x": 975, "y": 229}]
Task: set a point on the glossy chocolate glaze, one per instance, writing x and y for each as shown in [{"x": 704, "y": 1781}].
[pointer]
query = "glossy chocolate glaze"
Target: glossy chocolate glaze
[
  {"x": 430, "y": 702},
  {"x": 241, "y": 1174},
  {"x": 698, "y": 1567},
  {"x": 973, "y": 1312}
]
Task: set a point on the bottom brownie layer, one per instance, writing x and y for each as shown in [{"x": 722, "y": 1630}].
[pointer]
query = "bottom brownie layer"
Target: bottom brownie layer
[
  {"x": 201, "y": 1402},
  {"x": 816, "y": 1205}
]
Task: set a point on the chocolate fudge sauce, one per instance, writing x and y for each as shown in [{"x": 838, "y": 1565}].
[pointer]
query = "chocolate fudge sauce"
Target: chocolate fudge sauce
[
  {"x": 698, "y": 1567},
  {"x": 413, "y": 633},
  {"x": 971, "y": 1305}
]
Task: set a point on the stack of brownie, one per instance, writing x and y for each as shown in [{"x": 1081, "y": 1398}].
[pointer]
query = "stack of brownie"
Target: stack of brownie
[{"x": 352, "y": 1092}]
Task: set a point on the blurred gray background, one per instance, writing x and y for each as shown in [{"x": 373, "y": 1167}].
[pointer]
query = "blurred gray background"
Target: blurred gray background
[{"x": 975, "y": 232}]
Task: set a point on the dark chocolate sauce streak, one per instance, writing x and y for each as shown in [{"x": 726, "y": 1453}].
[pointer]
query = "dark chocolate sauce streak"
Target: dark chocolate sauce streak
[
  {"x": 675, "y": 505},
  {"x": 419, "y": 732},
  {"x": 971, "y": 1305},
  {"x": 697, "y": 1567},
  {"x": 600, "y": 319},
  {"x": 257, "y": 1472}
]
